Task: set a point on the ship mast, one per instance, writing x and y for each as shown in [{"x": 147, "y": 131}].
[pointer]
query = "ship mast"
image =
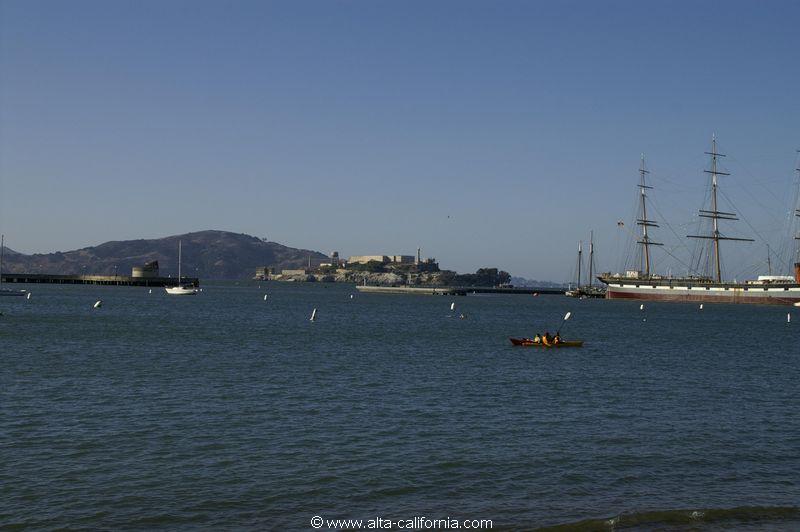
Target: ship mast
[
  {"x": 591, "y": 257},
  {"x": 715, "y": 214},
  {"x": 769, "y": 262},
  {"x": 797, "y": 236},
  {"x": 797, "y": 211},
  {"x": 580, "y": 253},
  {"x": 644, "y": 222}
]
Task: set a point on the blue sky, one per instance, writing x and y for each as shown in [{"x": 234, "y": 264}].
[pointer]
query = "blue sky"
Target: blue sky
[{"x": 489, "y": 133}]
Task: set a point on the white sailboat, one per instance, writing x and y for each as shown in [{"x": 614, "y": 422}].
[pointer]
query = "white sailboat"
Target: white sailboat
[
  {"x": 181, "y": 289},
  {"x": 6, "y": 291}
]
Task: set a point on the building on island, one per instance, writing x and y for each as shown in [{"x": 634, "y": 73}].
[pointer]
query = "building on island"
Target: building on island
[
  {"x": 267, "y": 273},
  {"x": 295, "y": 272},
  {"x": 428, "y": 264},
  {"x": 363, "y": 259},
  {"x": 383, "y": 259},
  {"x": 335, "y": 262},
  {"x": 403, "y": 263},
  {"x": 149, "y": 270},
  {"x": 263, "y": 273}
]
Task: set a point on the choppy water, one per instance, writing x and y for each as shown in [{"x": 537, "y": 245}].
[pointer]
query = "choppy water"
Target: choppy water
[{"x": 228, "y": 411}]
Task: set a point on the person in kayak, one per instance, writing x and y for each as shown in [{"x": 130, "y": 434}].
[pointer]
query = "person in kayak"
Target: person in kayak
[
  {"x": 537, "y": 339},
  {"x": 556, "y": 339}
]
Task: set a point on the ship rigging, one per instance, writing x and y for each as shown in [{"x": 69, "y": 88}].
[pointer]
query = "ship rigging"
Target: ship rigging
[{"x": 643, "y": 283}]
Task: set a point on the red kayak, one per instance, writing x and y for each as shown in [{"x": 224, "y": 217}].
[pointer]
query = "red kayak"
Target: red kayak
[{"x": 528, "y": 342}]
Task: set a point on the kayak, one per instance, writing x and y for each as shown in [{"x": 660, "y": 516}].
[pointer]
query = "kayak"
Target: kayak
[{"x": 528, "y": 342}]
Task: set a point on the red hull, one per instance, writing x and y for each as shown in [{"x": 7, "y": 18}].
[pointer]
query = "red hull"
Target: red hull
[
  {"x": 701, "y": 298},
  {"x": 527, "y": 342}
]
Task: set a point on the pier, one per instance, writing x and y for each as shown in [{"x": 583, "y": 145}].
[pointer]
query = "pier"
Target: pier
[
  {"x": 455, "y": 290},
  {"x": 111, "y": 280}
]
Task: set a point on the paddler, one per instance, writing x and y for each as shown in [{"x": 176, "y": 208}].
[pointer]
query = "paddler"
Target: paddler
[{"x": 537, "y": 339}]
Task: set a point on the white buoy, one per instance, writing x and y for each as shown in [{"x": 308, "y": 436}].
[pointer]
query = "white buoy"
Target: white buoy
[
  {"x": 701, "y": 306},
  {"x": 150, "y": 291},
  {"x": 28, "y": 296},
  {"x": 788, "y": 318},
  {"x": 98, "y": 303},
  {"x": 313, "y": 315},
  {"x": 641, "y": 307},
  {"x": 351, "y": 296},
  {"x": 453, "y": 305},
  {"x": 265, "y": 297}
]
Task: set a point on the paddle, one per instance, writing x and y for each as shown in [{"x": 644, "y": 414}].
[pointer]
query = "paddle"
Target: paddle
[{"x": 566, "y": 317}]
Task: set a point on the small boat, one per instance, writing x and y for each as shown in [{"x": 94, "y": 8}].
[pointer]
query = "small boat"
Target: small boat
[
  {"x": 528, "y": 342},
  {"x": 185, "y": 290},
  {"x": 180, "y": 289}
]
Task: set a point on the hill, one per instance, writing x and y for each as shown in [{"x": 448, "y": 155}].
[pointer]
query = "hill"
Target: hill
[{"x": 206, "y": 254}]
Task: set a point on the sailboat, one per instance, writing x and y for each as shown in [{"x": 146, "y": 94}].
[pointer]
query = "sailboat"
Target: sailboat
[
  {"x": 643, "y": 283},
  {"x": 589, "y": 290},
  {"x": 181, "y": 289},
  {"x": 6, "y": 291}
]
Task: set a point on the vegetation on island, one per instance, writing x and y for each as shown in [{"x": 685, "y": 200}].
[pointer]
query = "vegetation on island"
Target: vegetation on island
[
  {"x": 372, "y": 266},
  {"x": 482, "y": 277}
]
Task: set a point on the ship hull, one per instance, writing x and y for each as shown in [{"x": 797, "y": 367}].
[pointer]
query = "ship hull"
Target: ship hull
[{"x": 721, "y": 293}]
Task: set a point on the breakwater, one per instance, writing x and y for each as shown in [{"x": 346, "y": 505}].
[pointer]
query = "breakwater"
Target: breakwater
[
  {"x": 118, "y": 280},
  {"x": 455, "y": 290}
]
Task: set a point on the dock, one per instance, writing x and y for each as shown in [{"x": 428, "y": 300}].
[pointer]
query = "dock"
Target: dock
[
  {"x": 111, "y": 280},
  {"x": 455, "y": 290}
]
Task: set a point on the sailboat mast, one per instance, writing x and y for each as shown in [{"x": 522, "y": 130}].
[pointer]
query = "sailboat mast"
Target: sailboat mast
[
  {"x": 591, "y": 257},
  {"x": 797, "y": 214},
  {"x": 2, "y": 249},
  {"x": 179, "y": 262},
  {"x": 645, "y": 238},
  {"x": 715, "y": 219},
  {"x": 644, "y": 221},
  {"x": 769, "y": 262},
  {"x": 580, "y": 253},
  {"x": 715, "y": 214}
]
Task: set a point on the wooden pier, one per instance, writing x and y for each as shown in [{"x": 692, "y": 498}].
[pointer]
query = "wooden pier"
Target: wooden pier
[
  {"x": 111, "y": 280},
  {"x": 455, "y": 290}
]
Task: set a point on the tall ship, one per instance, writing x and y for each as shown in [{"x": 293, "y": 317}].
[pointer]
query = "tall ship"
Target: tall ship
[{"x": 643, "y": 283}]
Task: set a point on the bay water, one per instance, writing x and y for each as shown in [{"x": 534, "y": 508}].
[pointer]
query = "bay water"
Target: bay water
[{"x": 228, "y": 411}]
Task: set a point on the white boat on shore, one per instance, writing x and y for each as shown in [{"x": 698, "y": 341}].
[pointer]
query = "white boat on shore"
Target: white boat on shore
[{"x": 181, "y": 289}]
